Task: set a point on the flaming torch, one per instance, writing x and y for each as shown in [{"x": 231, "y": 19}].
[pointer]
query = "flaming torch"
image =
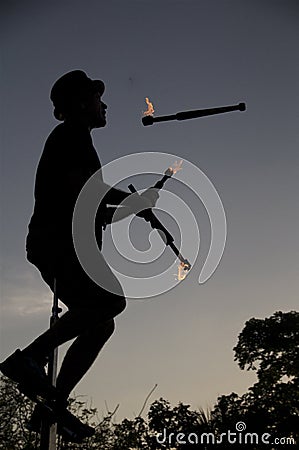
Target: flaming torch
[
  {"x": 155, "y": 223},
  {"x": 148, "y": 118},
  {"x": 168, "y": 174},
  {"x": 184, "y": 265}
]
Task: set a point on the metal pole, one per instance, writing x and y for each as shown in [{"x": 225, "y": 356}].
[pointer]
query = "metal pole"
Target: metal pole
[{"x": 48, "y": 431}]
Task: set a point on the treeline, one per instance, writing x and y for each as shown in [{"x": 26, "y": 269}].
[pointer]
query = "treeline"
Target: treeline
[{"x": 267, "y": 414}]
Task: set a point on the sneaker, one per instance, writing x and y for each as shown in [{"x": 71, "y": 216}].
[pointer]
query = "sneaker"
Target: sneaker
[
  {"x": 69, "y": 427},
  {"x": 30, "y": 375},
  {"x": 67, "y": 421}
]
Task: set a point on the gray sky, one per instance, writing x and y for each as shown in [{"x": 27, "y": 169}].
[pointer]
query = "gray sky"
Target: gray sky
[{"x": 183, "y": 55}]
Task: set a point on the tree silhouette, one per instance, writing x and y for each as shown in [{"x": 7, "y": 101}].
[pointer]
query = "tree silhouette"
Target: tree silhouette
[
  {"x": 269, "y": 346},
  {"x": 15, "y": 410}
]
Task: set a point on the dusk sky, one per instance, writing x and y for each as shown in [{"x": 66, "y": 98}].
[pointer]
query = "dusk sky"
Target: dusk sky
[{"x": 182, "y": 54}]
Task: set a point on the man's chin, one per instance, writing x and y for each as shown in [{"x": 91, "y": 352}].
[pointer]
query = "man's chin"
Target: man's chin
[{"x": 100, "y": 123}]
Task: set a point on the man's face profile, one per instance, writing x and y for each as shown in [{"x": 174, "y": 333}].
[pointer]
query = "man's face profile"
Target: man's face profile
[{"x": 96, "y": 111}]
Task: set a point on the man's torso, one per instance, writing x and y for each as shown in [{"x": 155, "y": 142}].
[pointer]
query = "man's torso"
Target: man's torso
[{"x": 67, "y": 162}]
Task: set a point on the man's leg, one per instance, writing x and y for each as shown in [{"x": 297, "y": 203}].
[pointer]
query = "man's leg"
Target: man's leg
[
  {"x": 73, "y": 323},
  {"x": 81, "y": 355},
  {"x": 88, "y": 304}
]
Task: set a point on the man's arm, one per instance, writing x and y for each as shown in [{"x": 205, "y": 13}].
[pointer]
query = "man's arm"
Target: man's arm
[
  {"x": 115, "y": 214},
  {"x": 129, "y": 203},
  {"x": 114, "y": 196}
]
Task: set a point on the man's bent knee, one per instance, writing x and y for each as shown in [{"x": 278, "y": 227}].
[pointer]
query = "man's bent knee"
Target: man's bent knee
[
  {"x": 109, "y": 328},
  {"x": 120, "y": 306},
  {"x": 101, "y": 312}
]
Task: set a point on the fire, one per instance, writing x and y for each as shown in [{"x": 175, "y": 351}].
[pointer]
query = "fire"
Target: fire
[
  {"x": 182, "y": 271},
  {"x": 150, "y": 109},
  {"x": 176, "y": 167}
]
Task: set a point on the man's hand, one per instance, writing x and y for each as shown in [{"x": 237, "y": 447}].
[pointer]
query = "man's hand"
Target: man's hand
[
  {"x": 146, "y": 200},
  {"x": 151, "y": 195},
  {"x": 133, "y": 204}
]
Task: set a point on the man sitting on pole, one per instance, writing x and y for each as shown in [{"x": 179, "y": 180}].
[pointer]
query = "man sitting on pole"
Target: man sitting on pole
[{"x": 69, "y": 159}]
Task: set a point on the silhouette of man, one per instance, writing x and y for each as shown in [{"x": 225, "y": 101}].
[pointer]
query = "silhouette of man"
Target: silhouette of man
[{"x": 67, "y": 162}]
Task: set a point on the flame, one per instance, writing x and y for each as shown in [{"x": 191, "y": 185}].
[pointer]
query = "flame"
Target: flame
[
  {"x": 150, "y": 109},
  {"x": 176, "y": 167},
  {"x": 182, "y": 271}
]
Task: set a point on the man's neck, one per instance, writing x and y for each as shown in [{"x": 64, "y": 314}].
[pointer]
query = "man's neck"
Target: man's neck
[{"x": 78, "y": 122}]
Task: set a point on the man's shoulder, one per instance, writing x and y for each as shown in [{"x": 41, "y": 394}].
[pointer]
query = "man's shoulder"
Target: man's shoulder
[
  {"x": 68, "y": 134},
  {"x": 69, "y": 145},
  {"x": 60, "y": 131}
]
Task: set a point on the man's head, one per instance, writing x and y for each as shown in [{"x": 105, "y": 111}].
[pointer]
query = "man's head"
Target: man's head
[{"x": 75, "y": 96}]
